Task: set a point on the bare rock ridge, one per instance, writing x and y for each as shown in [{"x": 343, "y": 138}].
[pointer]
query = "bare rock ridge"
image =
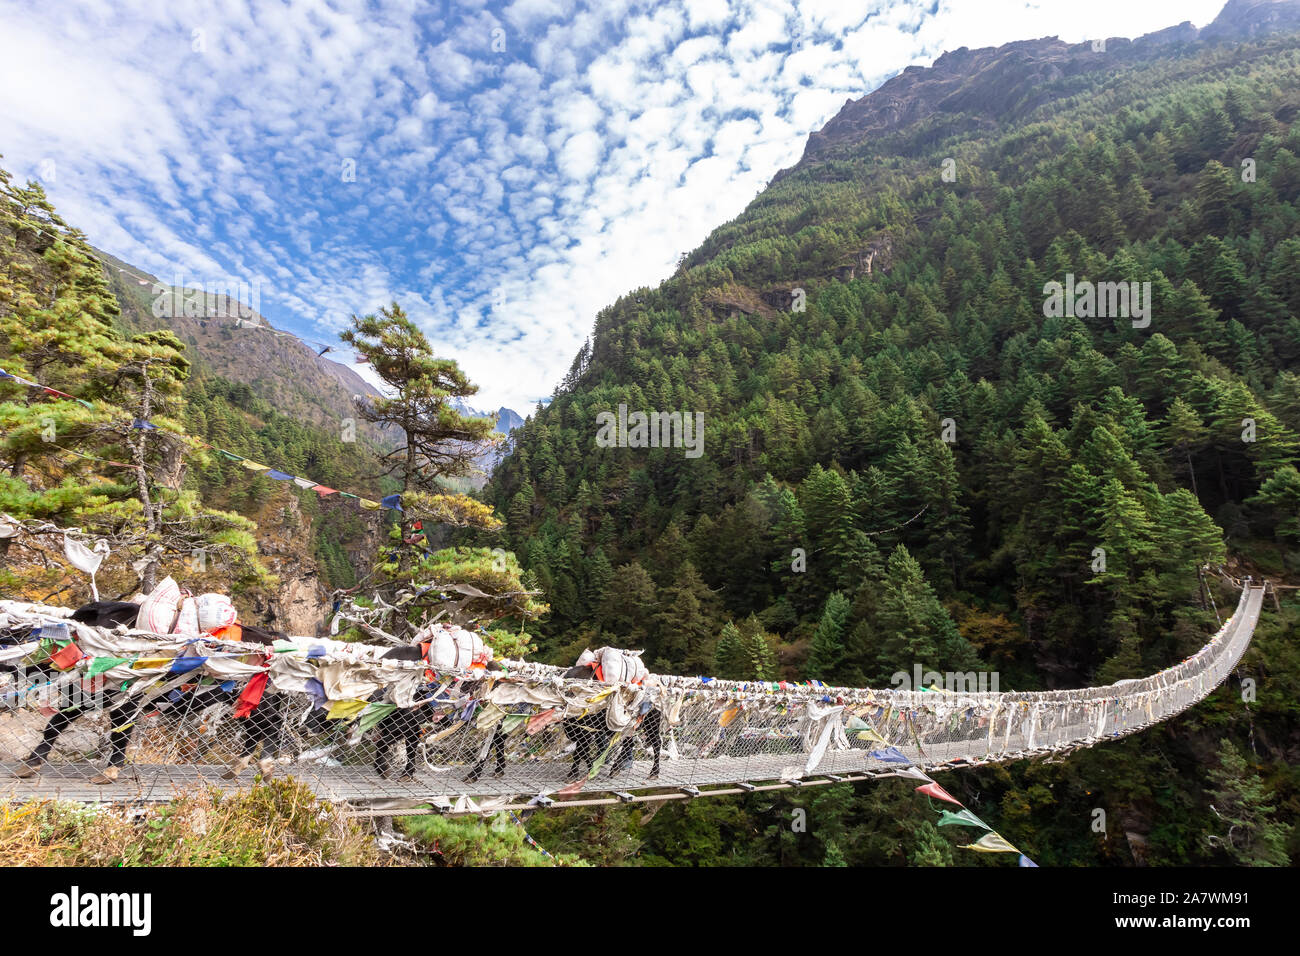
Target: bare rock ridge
[{"x": 993, "y": 85}]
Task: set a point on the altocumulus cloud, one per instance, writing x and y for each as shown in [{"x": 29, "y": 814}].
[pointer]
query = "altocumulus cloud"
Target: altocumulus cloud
[{"x": 518, "y": 165}]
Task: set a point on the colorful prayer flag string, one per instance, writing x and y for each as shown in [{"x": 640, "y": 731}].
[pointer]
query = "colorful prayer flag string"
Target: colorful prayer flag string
[
  {"x": 531, "y": 842},
  {"x": 390, "y": 502}
]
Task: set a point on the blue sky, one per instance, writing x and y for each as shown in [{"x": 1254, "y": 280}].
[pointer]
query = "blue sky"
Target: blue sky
[{"x": 517, "y": 166}]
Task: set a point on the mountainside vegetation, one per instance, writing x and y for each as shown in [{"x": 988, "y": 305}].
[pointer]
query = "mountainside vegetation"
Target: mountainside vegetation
[
  {"x": 909, "y": 459},
  {"x": 918, "y": 450}
]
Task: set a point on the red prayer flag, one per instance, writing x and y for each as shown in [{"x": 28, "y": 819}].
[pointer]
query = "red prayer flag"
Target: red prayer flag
[
  {"x": 251, "y": 696},
  {"x": 67, "y": 656},
  {"x": 934, "y": 790}
]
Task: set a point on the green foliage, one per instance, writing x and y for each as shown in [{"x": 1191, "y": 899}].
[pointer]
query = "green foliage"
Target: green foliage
[
  {"x": 474, "y": 842},
  {"x": 1241, "y": 801},
  {"x": 833, "y": 507},
  {"x": 83, "y": 462}
]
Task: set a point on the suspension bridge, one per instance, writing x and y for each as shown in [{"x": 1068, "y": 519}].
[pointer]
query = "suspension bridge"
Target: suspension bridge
[{"x": 479, "y": 740}]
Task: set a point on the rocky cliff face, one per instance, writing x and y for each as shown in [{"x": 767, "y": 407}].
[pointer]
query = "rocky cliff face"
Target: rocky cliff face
[
  {"x": 1250, "y": 19},
  {"x": 300, "y": 603},
  {"x": 969, "y": 89}
]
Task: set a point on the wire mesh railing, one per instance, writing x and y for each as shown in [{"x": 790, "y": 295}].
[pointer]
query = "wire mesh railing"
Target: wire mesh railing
[{"x": 121, "y": 715}]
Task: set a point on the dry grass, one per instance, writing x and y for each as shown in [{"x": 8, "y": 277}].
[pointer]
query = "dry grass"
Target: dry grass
[{"x": 279, "y": 823}]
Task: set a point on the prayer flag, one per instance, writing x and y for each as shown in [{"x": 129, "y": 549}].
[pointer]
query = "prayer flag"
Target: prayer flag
[
  {"x": 934, "y": 790},
  {"x": 345, "y": 709},
  {"x": 889, "y": 755},
  {"x": 251, "y": 695},
  {"x": 67, "y": 657},
  {"x": 962, "y": 818},
  {"x": 991, "y": 843}
]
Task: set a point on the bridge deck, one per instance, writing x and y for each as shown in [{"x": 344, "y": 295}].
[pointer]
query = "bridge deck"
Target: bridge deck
[
  {"x": 157, "y": 783},
  {"x": 358, "y": 785}
]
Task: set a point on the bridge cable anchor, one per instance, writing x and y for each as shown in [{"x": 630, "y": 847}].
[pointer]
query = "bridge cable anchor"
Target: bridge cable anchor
[
  {"x": 691, "y": 792},
  {"x": 624, "y": 796}
]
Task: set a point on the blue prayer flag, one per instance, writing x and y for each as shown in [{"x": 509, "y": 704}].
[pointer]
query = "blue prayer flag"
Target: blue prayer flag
[{"x": 890, "y": 755}]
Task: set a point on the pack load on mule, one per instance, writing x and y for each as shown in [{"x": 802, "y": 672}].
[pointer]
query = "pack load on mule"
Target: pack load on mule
[
  {"x": 591, "y": 730},
  {"x": 167, "y": 610},
  {"x": 443, "y": 647},
  {"x": 198, "y": 638}
]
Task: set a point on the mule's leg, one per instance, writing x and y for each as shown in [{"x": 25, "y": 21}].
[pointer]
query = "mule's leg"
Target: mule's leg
[
  {"x": 498, "y": 741},
  {"x": 410, "y": 731},
  {"x": 499, "y": 751},
  {"x": 254, "y": 733},
  {"x": 384, "y": 747},
  {"x": 580, "y": 736},
  {"x": 54, "y": 727},
  {"x": 119, "y": 737},
  {"x": 653, "y": 730},
  {"x": 623, "y": 758},
  {"x": 412, "y": 739},
  {"x": 272, "y": 734}
]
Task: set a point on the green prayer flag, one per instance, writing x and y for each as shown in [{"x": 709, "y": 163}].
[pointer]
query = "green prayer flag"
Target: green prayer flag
[
  {"x": 374, "y": 714},
  {"x": 98, "y": 665},
  {"x": 511, "y": 721},
  {"x": 961, "y": 818}
]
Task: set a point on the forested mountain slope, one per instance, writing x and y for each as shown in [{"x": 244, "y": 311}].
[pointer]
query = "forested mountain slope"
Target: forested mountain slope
[
  {"x": 913, "y": 457},
  {"x": 235, "y": 342}
]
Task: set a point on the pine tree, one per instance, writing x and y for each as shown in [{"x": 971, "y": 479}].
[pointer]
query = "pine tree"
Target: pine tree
[
  {"x": 931, "y": 848},
  {"x": 1253, "y": 837},
  {"x": 826, "y": 654},
  {"x": 684, "y": 636},
  {"x": 437, "y": 439},
  {"x": 913, "y": 626},
  {"x": 1185, "y": 434},
  {"x": 1279, "y": 498},
  {"x": 729, "y": 657},
  {"x": 756, "y": 645}
]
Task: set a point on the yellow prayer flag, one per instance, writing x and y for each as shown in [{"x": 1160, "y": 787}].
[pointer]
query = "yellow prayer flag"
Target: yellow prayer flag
[
  {"x": 343, "y": 709},
  {"x": 991, "y": 843},
  {"x": 254, "y": 466},
  {"x": 368, "y": 504}
]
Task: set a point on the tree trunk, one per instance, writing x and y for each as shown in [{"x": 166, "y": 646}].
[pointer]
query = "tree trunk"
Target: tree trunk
[{"x": 150, "y": 576}]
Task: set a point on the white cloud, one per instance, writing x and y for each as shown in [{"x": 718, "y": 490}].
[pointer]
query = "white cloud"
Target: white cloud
[{"x": 607, "y": 139}]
